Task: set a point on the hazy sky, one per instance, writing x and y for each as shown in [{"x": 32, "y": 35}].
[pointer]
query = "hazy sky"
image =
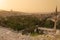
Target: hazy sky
[{"x": 30, "y": 5}]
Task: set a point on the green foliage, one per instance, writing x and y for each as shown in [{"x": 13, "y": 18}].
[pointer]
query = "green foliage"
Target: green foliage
[
  {"x": 28, "y": 23},
  {"x": 58, "y": 25},
  {"x": 20, "y": 22},
  {"x": 49, "y": 24}
]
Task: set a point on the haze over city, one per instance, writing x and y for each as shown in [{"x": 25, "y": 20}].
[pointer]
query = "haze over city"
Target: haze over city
[
  {"x": 30, "y": 5},
  {"x": 29, "y": 19}
]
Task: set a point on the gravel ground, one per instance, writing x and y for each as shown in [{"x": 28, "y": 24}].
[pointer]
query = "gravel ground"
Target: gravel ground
[{"x": 7, "y": 34}]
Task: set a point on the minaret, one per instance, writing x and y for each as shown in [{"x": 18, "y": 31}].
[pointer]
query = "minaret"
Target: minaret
[
  {"x": 56, "y": 19},
  {"x": 56, "y": 11}
]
